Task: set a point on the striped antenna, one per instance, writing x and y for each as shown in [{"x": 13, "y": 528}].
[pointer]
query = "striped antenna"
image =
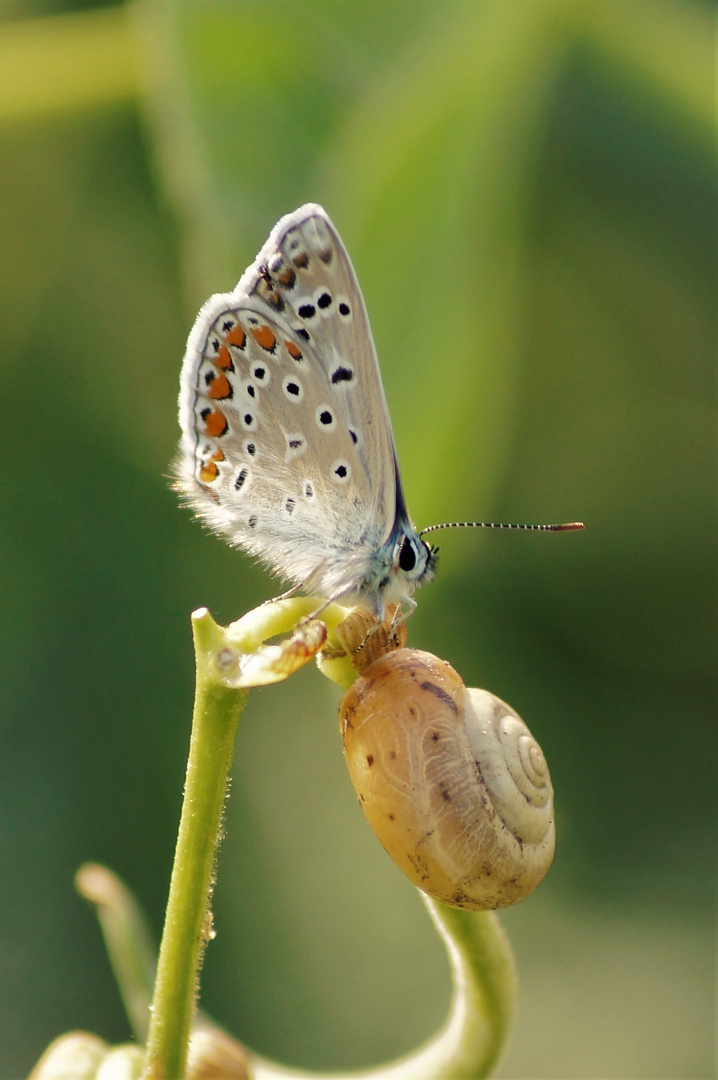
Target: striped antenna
[{"x": 568, "y": 526}]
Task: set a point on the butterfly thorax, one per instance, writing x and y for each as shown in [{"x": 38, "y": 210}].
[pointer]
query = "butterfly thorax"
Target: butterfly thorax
[
  {"x": 378, "y": 575},
  {"x": 399, "y": 567}
]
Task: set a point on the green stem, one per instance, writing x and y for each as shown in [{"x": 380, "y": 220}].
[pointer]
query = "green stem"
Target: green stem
[
  {"x": 475, "y": 1032},
  {"x": 484, "y": 1004},
  {"x": 216, "y": 715}
]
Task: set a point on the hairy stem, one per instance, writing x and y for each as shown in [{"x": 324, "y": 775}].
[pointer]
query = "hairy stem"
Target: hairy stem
[{"x": 187, "y": 919}]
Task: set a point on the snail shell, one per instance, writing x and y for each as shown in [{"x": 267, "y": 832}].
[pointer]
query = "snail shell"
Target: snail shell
[{"x": 451, "y": 781}]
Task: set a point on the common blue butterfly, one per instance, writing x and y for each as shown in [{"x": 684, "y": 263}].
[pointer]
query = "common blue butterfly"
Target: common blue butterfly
[{"x": 287, "y": 447}]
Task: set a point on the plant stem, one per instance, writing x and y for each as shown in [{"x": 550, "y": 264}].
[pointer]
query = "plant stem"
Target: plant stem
[
  {"x": 484, "y": 977},
  {"x": 216, "y": 715},
  {"x": 473, "y": 1037}
]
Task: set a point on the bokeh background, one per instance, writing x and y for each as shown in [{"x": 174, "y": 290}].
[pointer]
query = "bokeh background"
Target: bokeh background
[{"x": 527, "y": 190}]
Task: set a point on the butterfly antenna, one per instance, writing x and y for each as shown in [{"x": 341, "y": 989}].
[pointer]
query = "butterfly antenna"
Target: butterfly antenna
[{"x": 567, "y": 526}]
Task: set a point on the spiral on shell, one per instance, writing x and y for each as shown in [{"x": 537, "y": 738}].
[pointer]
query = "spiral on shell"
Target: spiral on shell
[{"x": 451, "y": 781}]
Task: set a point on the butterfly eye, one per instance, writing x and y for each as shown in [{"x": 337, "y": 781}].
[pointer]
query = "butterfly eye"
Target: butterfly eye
[{"x": 407, "y": 555}]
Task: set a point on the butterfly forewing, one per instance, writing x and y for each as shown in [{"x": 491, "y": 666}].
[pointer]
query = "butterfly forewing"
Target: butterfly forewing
[{"x": 324, "y": 296}]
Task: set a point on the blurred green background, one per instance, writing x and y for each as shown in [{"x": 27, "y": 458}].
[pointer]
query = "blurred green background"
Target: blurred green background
[{"x": 527, "y": 190}]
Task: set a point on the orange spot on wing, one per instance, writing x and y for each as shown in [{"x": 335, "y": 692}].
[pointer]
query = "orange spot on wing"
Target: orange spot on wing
[
  {"x": 294, "y": 351},
  {"x": 215, "y": 422},
  {"x": 219, "y": 388},
  {"x": 236, "y": 336},
  {"x": 287, "y": 276},
  {"x": 223, "y": 359},
  {"x": 264, "y": 337},
  {"x": 208, "y": 472}
]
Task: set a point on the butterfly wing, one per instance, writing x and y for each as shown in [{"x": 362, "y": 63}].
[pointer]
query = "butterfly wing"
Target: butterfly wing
[{"x": 287, "y": 446}]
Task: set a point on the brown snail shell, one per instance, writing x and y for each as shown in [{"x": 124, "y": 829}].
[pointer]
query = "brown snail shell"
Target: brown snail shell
[{"x": 451, "y": 781}]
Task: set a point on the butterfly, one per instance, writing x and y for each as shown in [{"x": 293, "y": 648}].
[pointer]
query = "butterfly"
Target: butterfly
[{"x": 287, "y": 448}]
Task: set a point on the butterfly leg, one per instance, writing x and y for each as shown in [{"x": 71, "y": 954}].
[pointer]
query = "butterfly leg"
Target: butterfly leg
[
  {"x": 402, "y": 612},
  {"x": 283, "y": 596},
  {"x": 391, "y": 626}
]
